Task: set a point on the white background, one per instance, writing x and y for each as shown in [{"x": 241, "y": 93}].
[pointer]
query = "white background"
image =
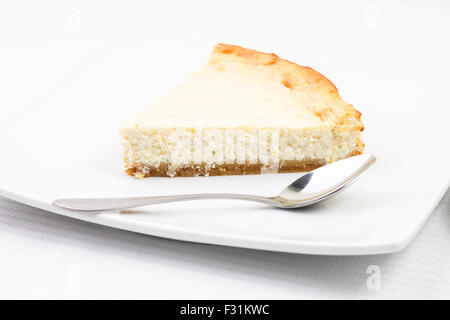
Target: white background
[{"x": 44, "y": 255}]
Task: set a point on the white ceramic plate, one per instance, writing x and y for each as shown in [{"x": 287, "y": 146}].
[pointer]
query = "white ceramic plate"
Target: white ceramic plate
[
  {"x": 61, "y": 110},
  {"x": 55, "y": 157}
]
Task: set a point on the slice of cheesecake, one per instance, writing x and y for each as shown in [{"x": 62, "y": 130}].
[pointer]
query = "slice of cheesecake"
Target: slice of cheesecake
[{"x": 244, "y": 112}]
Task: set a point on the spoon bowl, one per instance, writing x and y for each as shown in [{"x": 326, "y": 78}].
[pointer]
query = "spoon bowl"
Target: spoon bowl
[{"x": 324, "y": 182}]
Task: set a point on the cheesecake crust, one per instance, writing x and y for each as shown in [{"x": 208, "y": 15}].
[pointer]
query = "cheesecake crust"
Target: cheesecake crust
[{"x": 145, "y": 170}]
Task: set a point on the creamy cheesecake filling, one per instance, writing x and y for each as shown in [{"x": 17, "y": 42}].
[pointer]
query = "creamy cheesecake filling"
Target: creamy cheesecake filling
[
  {"x": 182, "y": 148},
  {"x": 232, "y": 97}
]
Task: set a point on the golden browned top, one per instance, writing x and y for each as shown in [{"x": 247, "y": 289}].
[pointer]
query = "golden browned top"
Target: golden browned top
[{"x": 297, "y": 78}]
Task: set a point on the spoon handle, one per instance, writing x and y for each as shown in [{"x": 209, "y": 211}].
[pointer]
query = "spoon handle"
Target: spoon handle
[{"x": 101, "y": 204}]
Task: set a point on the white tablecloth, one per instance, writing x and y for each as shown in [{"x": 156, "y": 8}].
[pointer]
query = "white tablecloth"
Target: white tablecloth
[{"x": 43, "y": 255}]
